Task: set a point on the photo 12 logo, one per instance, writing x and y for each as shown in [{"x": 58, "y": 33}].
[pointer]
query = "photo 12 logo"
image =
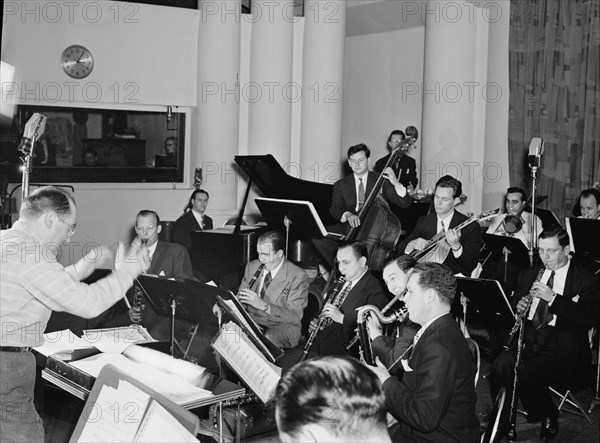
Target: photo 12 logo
[
  {"x": 54, "y": 92},
  {"x": 70, "y": 12}
]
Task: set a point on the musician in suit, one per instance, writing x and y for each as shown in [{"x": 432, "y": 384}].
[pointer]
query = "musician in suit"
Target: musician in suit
[
  {"x": 168, "y": 260},
  {"x": 435, "y": 401},
  {"x": 361, "y": 288},
  {"x": 193, "y": 219},
  {"x": 461, "y": 248},
  {"x": 589, "y": 203},
  {"x": 330, "y": 399},
  {"x": 388, "y": 349},
  {"x": 565, "y": 305},
  {"x": 277, "y": 297},
  {"x": 405, "y": 166}
]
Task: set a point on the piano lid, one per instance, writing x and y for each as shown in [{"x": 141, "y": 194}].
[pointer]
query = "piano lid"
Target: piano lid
[{"x": 271, "y": 179}]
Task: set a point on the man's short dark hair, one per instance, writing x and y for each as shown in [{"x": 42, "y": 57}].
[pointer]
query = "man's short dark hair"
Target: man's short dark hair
[
  {"x": 275, "y": 239},
  {"x": 405, "y": 262},
  {"x": 90, "y": 151},
  {"x": 359, "y": 249},
  {"x": 592, "y": 192},
  {"x": 190, "y": 205},
  {"x": 438, "y": 277},
  {"x": 357, "y": 148},
  {"x": 556, "y": 231},
  {"x": 48, "y": 198},
  {"x": 338, "y": 393},
  {"x": 516, "y": 190},
  {"x": 447, "y": 181},
  {"x": 396, "y": 132},
  {"x": 148, "y": 212}
]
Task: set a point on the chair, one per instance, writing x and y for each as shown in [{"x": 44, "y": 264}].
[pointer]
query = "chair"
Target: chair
[
  {"x": 491, "y": 431},
  {"x": 569, "y": 400}
]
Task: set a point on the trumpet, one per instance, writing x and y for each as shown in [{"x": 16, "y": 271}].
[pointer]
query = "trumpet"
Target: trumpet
[{"x": 324, "y": 321}]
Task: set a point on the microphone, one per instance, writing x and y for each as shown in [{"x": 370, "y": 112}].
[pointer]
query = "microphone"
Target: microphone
[
  {"x": 536, "y": 149},
  {"x": 33, "y": 130}
]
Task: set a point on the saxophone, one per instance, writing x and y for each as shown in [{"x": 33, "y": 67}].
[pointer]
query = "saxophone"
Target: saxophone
[{"x": 365, "y": 349}]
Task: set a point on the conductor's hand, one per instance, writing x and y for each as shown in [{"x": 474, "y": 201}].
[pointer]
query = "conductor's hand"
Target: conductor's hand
[
  {"x": 333, "y": 313},
  {"x": 353, "y": 220},
  {"x": 251, "y": 298},
  {"x": 415, "y": 245},
  {"x": 373, "y": 327},
  {"x": 380, "y": 370},
  {"x": 135, "y": 261}
]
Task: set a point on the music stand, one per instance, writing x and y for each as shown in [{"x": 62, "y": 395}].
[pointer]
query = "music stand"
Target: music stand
[
  {"x": 300, "y": 213},
  {"x": 585, "y": 240},
  {"x": 548, "y": 218},
  {"x": 487, "y": 302},
  {"x": 517, "y": 251},
  {"x": 185, "y": 299}
]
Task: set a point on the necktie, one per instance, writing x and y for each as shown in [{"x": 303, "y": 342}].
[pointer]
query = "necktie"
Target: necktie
[
  {"x": 417, "y": 336},
  {"x": 541, "y": 316},
  {"x": 361, "y": 194},
  {"x": 265, "y": 285},
  {"x": 202, "y": 223},
  {"x": 443, "y": 228}
]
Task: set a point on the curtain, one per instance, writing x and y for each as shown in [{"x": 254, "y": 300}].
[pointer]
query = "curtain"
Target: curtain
[{"x": 554, "y": 71}]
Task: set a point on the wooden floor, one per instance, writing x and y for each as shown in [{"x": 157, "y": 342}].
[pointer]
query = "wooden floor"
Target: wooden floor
[{"x": 61, "y": 411}]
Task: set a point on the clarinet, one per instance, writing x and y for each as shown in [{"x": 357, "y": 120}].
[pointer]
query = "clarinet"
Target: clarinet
[
  {"x": 138, "y": 294},
  {"x": 255, "y": 276},
  {"x": 323, "y": 320},
  {"x": 519, "y": 325}
]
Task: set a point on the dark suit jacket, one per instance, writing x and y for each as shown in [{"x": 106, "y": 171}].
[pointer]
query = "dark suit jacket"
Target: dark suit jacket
[
  {"x": 333, "y": 339},
  {"x": 171, "y": 260},
  {"x": 187, "y": 223},
  {"x": 343, "y": 197},
  {"x": 435, "y": 402},
  {"x": 470, "y": 239},
  {"x": 406, "y": 167},
  {"x": 287, "y": 295},
  {"x": 389, "y": 349},
  {"x": 577, "y": 311}
]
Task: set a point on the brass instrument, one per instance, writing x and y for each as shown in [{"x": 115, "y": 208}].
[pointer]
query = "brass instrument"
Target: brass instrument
[
  {"x": 365, "y": 348},
  {"x": 518, "y": 326},
  {"x": 324, "y": 321}
]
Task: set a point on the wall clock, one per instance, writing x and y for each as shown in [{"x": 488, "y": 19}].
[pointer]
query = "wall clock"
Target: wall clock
[{"x": 77, "y": 61}]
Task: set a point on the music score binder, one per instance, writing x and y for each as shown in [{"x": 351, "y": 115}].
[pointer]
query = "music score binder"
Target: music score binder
[
  {"x": 518, "y": 252},
  {"x": 583, "y": 233},
  {"x": 231, "y": 305},
  {"x": 111, "y": 377},
  {"x": 487, "y": 303},
  {"x": 303, "y": 215}
]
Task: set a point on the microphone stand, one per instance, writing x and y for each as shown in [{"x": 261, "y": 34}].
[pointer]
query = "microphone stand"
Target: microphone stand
[{"x": 534, "y": 165}]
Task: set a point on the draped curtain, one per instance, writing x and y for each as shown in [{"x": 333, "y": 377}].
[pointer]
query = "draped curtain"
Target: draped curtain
[{"x": 554, "y": 71}]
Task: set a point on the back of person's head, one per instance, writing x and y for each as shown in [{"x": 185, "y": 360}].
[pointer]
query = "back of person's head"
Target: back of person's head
[
  {"x": 359, "y": 249},
  {"x": 556, "y": 231},
  {"x": 47, "y": 199},
  {"x": 275, "y": 239},
  {"x": 330, "y": 399},
  {"x": 438, "y": 277},
  {"x": 447, "y": 181},
  {"x": 517, "y": 190},
  {"x": 357, "y": 148}
]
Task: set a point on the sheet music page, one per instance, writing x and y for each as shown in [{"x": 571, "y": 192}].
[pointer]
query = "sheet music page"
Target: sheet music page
[
  {"x": 176, "y": 389},
  {"x": 235, "y": 347},
  {"x": 61, "y": 342},
  {"x": 116, "y": 415},
  {"x": 116, "y": 340},
  {"x": 159, "y": 425}
]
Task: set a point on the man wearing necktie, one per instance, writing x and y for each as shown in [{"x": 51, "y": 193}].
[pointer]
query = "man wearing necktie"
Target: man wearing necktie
[
  {"x": 435, "y": 401},
  {"x": 194, "y": 218},
  {"x": 565, "y": 305},
  {"x": 277, "y": 298}
]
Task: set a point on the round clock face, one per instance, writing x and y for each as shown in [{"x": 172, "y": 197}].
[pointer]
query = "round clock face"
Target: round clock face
[{"x": 77, "y": 61}]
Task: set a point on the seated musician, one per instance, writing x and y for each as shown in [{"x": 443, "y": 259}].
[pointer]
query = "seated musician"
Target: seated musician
[
  {"x": 405, "y": 166},
  {"x": 193, "y": 219},
  {"x": 330, "y": 399},
  {"x": 389, "y": 349},
  {"x": 435, "y": 401},
  {"x": 560, "y": 299},
  {"x": 589, "y": 203},
  {"x": 460, "y": 251},
  {"x": 275, "y": 296},
  {"x": 168, "y": 260},
  {"x": 361, "y": 288}
]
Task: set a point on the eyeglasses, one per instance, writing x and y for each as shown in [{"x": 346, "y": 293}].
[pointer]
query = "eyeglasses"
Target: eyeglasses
[
  {"x": 72, "y": 228},
  {"x": 144, "y": 229}
]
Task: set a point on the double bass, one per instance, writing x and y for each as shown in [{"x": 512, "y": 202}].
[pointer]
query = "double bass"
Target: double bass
[{"x": 379, "y": 227}]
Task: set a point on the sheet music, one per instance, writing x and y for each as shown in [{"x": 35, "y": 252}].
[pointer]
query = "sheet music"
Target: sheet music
[
  {"x": 61, "y": 342},
  {"x": 159, "y": 425},
  {"x": 116, "y": 340},
  {"x": 116, "y": 415},
  {"x": 243, "y": 356}
]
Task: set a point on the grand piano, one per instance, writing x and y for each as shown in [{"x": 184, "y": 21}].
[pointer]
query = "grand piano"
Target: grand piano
[{"x": 224, "y": 251}]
